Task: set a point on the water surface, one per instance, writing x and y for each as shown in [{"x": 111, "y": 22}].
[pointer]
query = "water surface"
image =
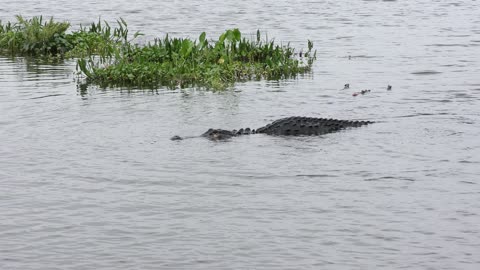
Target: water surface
[{"x": 90, "y": 180}]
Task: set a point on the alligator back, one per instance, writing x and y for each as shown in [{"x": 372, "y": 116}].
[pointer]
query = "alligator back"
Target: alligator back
[{"x": 298, "y": 125}]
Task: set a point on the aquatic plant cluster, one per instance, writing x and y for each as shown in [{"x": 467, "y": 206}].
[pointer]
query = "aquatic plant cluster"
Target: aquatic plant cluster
[
  {"x": 34, "y": 37},
  {"x": 38, "y": 38},
  {"x": 106, "y": 56}
]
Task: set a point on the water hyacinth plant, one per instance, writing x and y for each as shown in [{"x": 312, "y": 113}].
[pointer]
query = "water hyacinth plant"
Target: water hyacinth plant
[
  {"x": 33, "y": 36},
  {"x": 181, "y": 62},
  {"x": 107, "y": 57},
  {"x": 38, "y": 38},
  {"x": 99, "y": 40}
]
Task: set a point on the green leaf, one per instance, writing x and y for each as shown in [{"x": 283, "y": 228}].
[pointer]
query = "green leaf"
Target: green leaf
[
  {"x": 201, "y": 39},
  {"x": 187, "y": 46},
  {"x": 237, "y": 35},
  {"x": 123, "y": 21},
  {"x": 138, "y": 33},
  {"x": 230, "y": 36},
  {"x": 222, "y": 37}
]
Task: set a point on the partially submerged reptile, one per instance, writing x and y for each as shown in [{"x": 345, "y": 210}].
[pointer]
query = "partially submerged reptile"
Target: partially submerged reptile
[{"x": 289, "y": 126}]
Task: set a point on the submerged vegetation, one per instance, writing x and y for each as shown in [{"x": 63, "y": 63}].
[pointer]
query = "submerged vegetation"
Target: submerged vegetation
[{"x": 106, "y": 56}]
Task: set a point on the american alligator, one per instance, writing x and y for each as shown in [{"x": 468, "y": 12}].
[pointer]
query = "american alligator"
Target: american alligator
[{"x": 289, "y": 126}]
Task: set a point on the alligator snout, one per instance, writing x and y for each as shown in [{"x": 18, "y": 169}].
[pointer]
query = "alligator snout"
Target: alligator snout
[{"x": 176, "y": 138}]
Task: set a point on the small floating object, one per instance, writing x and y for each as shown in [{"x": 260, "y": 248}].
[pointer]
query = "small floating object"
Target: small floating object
[
  {"x": 389, "y": 87},
  {"x": 426, "y": 72},
  {"x": 176, "y": 138},
  {"x": 349, "y": 57},
  {"x": 346, "y": 86},
  {"x": 363, "y": 92}
]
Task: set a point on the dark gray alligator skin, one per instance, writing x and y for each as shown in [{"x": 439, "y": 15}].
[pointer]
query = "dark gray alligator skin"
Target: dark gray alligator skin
[
  {"x": 307, "y": 126},
  {"x": 289, "y": 126}
]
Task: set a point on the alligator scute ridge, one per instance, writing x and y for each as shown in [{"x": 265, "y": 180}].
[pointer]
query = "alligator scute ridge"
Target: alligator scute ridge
[{"x": 288, "y": 126}]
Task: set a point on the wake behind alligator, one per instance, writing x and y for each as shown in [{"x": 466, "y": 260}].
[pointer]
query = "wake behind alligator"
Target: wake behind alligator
[{"x": 289, "y": 126}]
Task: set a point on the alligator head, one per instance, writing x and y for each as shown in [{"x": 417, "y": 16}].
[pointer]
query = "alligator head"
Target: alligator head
[{"x": 218, "y": 134}]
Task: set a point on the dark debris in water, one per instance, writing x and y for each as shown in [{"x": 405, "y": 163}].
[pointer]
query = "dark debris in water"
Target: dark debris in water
[
  {"x": 52, "y": 95},
  {"x": 390, "y": 178},
  {"x": 426, "y": 72},
  {"x": 363, "y": 92},
  {"x": 315, "y": 175},
  {"x": 468, "y": 182}
]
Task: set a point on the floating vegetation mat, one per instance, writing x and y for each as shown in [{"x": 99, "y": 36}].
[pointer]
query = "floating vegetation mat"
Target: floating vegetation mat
[{"x": 107, "y": 57}]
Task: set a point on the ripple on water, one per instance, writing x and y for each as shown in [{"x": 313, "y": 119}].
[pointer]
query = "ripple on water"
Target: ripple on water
[{"x": 426, "y": 72}]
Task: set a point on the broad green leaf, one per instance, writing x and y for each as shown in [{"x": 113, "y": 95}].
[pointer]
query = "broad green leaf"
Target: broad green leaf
[{"x": 237, "y": 35}]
